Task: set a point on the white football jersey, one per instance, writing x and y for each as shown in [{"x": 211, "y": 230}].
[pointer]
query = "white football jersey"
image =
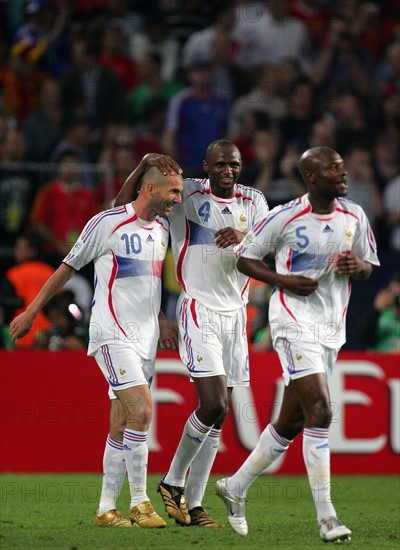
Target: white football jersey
[
  {"x": 307, "y": 244},
  {"x": 204, "y": 271},
  {"x": 128, "y": 254}
]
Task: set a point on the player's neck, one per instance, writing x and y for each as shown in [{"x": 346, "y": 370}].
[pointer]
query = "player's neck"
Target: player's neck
[
  {"x": 321, "y": 206},
  {"x": 143, "y": 210}
]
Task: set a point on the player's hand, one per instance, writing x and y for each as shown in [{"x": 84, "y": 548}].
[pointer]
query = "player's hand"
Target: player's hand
[
  {"x": 347, "y": 264},
  {"x": 21, "y": 325},
  {"x": 228, "y": 237},
  {"x": 298, "y": 284},
  {"x": 164, "y": 163},
  {"x": 168, "y": 334}
]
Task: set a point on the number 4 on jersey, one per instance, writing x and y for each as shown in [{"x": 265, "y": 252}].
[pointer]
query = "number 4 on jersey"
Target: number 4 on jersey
[{"x": 204, "y": 211}]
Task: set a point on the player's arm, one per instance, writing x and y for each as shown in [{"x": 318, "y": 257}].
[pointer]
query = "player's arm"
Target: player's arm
[
  {"x": 131, "y": 186},
  {"x": 348, "y": 264},
  {"x": 168, "y": 332},
  {"x": 228, "y": 236},
  {"x": 22, "y": 324},
  {"x": 257, "y": 269}
]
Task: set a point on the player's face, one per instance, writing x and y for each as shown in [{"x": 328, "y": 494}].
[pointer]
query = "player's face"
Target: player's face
[
  {"x": 331, "y": 179},
  {"x": 223, "y": 167},
  {"x": 167, "y": 196}
]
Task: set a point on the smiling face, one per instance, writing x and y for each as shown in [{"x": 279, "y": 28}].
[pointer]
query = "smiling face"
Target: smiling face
[
  {"x": 167, "y": 195},
  {"x": 223, "y": 165}
]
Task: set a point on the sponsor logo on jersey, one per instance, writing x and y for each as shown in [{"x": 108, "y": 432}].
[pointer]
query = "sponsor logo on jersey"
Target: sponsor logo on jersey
[
  {"x": 149, "y": 239},
  {"x": 327, "y": 229},
  {"x": 226, "y": 211}
]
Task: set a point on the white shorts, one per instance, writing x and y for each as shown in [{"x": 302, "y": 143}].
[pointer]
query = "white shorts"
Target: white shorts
[
  {"x": 211, "y": 344},
  {"x": 299, "y": 359},
  {"x": 123, "y": 367}
]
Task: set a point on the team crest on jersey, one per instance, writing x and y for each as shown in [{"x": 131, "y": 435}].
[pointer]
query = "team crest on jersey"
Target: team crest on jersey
[
  {"x": 299, "y": 357},
  {"x": 122, "y": 372},
  {"x": 163, "y": 243},
  {"x": 242, "y": 222},
  {"x": 199, "y": 358},
  {"x": 347, "y": 238}
]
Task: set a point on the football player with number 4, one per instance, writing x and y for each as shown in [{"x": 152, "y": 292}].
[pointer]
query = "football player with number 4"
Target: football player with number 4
[{"x": 213, "y": 217}]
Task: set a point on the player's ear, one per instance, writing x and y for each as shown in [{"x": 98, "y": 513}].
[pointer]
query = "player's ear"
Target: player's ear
[{"x": 205, "y": 166}]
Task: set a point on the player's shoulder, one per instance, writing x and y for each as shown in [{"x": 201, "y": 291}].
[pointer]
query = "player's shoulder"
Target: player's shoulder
[
  {"x": 193, "y": 186},
  {"x": 244, "y": 191},
  {"x": 346, "y": 205}
]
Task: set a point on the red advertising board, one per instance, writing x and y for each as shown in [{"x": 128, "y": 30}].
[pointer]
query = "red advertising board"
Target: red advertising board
[{"x": 54, "y": 413}]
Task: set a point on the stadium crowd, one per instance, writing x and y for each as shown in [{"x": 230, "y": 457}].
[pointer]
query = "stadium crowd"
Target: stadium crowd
[{"x": 87, "y": 87}]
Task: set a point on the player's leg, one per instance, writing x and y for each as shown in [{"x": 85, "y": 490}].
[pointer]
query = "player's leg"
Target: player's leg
[
  {"x": 213, "y": 401},
  {"x": 136, "y": 401},
  {"x": 213, "y": 397},
  {"x": 201, "y": 351},
  {"x": 271, "y": 446},
  {"x": 313, "y": 394},
  {"x": 236, "y": 366},
  {"x": 126, "y": 372},
  {"x": 113, "y": 469}
]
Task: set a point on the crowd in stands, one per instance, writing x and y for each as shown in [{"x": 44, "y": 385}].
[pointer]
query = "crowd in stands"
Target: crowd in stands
[{"x": 87, "y": 87}]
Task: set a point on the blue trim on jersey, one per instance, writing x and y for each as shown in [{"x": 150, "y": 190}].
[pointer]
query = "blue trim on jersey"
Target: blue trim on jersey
[
  {"x": 198, "y": 234},
  {"x": 131, "y": 267},
  {"x": 95, "y": 221},
  {"x": 272, "y": 216},
  {"x": 300, "y": 261}
]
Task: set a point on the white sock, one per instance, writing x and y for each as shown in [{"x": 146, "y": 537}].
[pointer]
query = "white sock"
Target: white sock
[
  {"x": 200, "y": 469},
  {"x": 136, "y": 452},
  {"x": 316, "y": 456},
  {"x": 194, "y": 433},
  {"x": 113, "y": 476},
  {"x": 270, "y": 446}
]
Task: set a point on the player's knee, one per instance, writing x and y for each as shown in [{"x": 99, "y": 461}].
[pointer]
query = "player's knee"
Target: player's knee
[
  {"x": 321, "y": 415},
  {"x": 214, "y": 411}
]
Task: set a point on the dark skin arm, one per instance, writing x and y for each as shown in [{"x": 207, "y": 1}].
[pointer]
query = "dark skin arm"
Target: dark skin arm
[
  {"x": 131, "y": 186},
  {"x": 257, "y": 269}
]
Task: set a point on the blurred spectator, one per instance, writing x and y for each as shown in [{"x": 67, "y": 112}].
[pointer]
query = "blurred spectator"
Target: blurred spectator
[
  {"x": 351, "y": 124},
  {"x": 274, "y": 38},
  {"x": 362, "y": 187},
  {"x": 296, "y": 125},
  {"x": 182, "y": 18},
  {"x": 27, "y": 277},
  {"x": 195, "y": 117},
  {"x": 42, "y": 128},
  {"x": 20, "y": 82},
  {"x": 387, "y": 78},
  {"x": 271, "y": 173},
  {"x": 152, "y": 85},
  {"x": 153, "y": 40},
  {"x": 41, "y": 37},
  {"x": 123, "y": 161},
  {"x": 113, "y": 56},
  {"x": 322, "y": 134},
  {"x": 62, "y": 207},
  {"x": 264, "y": 97},
  {"x": 201, "y": 42},
  {"x": 386, "y": 160},
  {"x": 17, "y": 188},
  {"x": 67, "y": 331},
  {"x": 90, "y": 90},
  {"x": 75, "y": 138},
  {"x": 252, "y": 121},
  {"x": 391, "y": 204},
  {"x": 341, "y": 64},
  {"x": 381, "y": 330}
]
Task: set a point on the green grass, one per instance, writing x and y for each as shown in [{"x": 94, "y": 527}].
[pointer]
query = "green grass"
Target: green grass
[{"x": 56, "y": 512}]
